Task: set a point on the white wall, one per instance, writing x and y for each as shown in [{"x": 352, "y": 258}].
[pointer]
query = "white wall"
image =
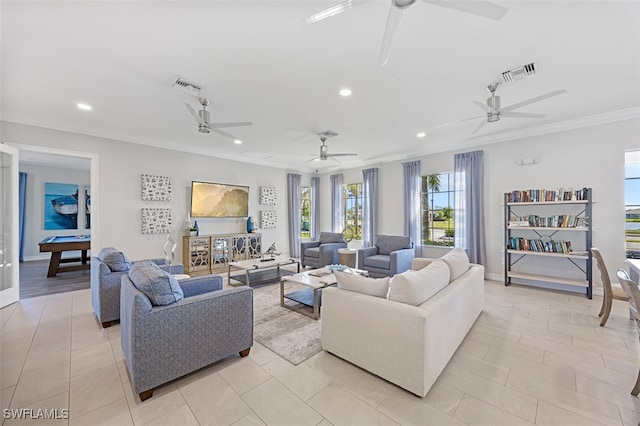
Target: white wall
[
  {"x": 120, "y": 166},
  {"x": 34, "y": 223}
]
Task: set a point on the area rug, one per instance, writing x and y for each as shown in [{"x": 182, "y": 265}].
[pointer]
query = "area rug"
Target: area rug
[{"x": 293, "y": 336}]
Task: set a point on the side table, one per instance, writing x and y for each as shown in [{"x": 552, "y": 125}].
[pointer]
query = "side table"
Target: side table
[{"x": 347, "y": 257}]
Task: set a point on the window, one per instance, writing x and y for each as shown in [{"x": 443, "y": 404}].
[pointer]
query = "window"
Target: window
[
  {"x": 437, "y": 209},
  {"x": 352, "y": 208},
  {"x": 305, "y": 211},
  {"x": 632, "y": 203}
]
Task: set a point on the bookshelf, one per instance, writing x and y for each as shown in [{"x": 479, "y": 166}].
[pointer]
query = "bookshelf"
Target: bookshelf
[{"x": 544, "y": 225}]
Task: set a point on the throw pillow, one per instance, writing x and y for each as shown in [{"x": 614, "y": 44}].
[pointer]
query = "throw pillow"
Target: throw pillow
[
  {"x": 458, "y": 262},
  {"x": 355, "y": 282},
  {"x": 331, "y": 237},
  {"x": 115, "y": 259},
  {"x": 416, "y": 287},
  {"x": 159, "y": 286}
]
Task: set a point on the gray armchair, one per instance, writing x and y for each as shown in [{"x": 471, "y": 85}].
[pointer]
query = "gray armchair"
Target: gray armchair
[
  {"x": 390, "y": 255},
  {"x": 324, "y": 252},
  {"x": 163, "y": 343},
  {"x": 106, "y": 270}
]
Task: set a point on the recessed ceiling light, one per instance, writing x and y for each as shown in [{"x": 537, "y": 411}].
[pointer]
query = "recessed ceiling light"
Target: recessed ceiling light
[
  {"x": 345, "y": 92},
  {"x": 237, "y": 141},
  {"x": 421, "y": 134},
  {"x": 316, "y": 159},
  {"x": 84, "y": 106}
]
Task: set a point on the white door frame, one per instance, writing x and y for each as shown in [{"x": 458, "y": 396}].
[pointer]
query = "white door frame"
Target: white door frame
[{"x": 12, "y": 293}]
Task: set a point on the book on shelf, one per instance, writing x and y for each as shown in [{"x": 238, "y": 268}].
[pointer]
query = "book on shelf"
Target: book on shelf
[
  {"x": 547, "y": 195},
  {"x": 537, "y": 245}
]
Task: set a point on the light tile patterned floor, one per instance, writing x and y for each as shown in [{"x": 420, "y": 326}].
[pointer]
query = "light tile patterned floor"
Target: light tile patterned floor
[{"x": 533, "y": 357}]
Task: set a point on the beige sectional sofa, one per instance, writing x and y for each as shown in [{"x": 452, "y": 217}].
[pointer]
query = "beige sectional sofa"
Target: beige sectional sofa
[{"x": 408, "y": 336}]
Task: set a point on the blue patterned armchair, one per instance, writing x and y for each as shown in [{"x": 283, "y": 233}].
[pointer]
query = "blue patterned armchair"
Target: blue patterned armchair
[
  {"x": 106, "y": 269},
  {"x": 391, "y": 254},
  {"x": 164, "y": 342}
]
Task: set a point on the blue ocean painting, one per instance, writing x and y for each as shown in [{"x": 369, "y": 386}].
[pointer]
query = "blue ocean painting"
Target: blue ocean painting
[{"x": 60, "y": 206}]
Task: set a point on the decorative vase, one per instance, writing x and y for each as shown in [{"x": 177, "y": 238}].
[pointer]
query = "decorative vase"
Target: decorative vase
[
  {"x": 195, "y": 225},
  {"x": 249, "y": 225}
]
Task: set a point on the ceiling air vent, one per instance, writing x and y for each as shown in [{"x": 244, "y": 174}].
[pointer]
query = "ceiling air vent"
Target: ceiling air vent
[
  {"x": 187, "y": 86},
  {"x": 519, "y": 73}
]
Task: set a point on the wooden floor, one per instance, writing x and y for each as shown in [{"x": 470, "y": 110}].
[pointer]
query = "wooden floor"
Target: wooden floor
[{"x": 34, "y": 281}]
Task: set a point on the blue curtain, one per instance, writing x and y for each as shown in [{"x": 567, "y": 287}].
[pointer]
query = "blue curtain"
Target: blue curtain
[
  {"x": 412, "y": 205},
  {"x": 22, "y": 204},
  {"x": 293, "y": 191},
  {"x": 337, "y": 215},
  {"x": 369, "y": 206},
  {"x": 315, "y": 208},
  {"x": 468, "y": 177}
]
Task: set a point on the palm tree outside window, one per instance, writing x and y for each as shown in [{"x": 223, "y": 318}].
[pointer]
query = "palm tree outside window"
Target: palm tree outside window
[
  {"x": 305, "y": 211},
  {"x": 437, "y": 197},
  {"x": 352, "y": 208}
]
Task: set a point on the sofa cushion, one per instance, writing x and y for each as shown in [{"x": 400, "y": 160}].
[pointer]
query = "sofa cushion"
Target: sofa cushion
[
  {"x": 312, "y": 252},
  {"x": 378, "y": 287},
  {"x": 458, "y": 262},
  {"x": 331, "y": 237},
  {"x": 388, "y": 243},
  {"x": 159, "y": 286},
  {"x": 115, "y": 259},
  {"x": 415, "y": 287},
  {"x": 378, "y": 261}
]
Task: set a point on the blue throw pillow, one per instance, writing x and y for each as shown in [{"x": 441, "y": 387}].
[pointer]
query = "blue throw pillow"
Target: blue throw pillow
[
  {"x": 115, "y": 259},
  {"x": 159, "y": 286}
]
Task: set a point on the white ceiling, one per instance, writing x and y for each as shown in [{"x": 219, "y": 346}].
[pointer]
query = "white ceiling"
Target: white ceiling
[{"x": 258, "y": 64}]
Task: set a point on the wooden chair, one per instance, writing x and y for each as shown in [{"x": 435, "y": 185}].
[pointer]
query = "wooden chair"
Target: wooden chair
[
  {"x": 633, "y": 291},
  {"x": 611, "y": 292}
]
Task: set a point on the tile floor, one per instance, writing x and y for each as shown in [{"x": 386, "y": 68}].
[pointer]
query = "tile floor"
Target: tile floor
[{"x": 533, "y": 357}]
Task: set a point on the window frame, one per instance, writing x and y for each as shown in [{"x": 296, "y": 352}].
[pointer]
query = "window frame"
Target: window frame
[
  {"x": 427, "y": 209},
  {"x": 357, "y": 214}
]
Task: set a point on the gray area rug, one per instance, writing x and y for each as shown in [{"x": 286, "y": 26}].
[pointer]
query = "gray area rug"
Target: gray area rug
[{"x": 293, "y": 336}]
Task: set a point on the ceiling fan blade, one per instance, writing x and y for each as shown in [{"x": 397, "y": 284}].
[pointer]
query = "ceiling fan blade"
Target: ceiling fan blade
[
  {"x": 482, "y": 8},
  {"x": 194, "y": 113},
  {"x": 521, "y": 115},
  {"x": 479, "y": 126},
  {"x": 330, "y": 11},
  {"x": 340, "y": 155},
  {"x": 335, "y": 160},
  {"x": 231, "y": 124},
  {"x": 532, "y": 100},
  {"x": 393, "y": 21},
  {"x": 220, "y": 132},
  {"x": 482, "y": 106},
  {"x": 313, "y": 159}
]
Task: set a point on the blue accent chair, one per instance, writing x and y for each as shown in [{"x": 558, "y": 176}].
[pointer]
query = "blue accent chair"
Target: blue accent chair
[
  {"x": 318, "y": 254},
  {"x": 390, "y": 255},
  {"x": 163, "y": 343}
]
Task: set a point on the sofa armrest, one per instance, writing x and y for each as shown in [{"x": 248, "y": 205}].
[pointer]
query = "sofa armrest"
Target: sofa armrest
[
  {"x": 401, "y": 260},
  {"x": 308, "y": 244},
  {"x": 329, "y": 252},
  {"x": 420, "y": 262},
  {"x": 198, "y": 285},
  {"x": 365, "y": 252}
]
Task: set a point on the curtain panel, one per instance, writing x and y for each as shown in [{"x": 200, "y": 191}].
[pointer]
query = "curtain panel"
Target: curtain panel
[
  {"x": 315, "y": 208},
  {"x": 469, "y": 232},
  {"x": 369, "y": 206},
  {"x": 293, "y": 210},
  {"x": 337, "y": 215},
  {"x": 412, "y": 206},
  {"x": 22, "y": 205}
]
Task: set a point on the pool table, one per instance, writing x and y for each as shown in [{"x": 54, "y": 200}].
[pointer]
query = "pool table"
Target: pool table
[{"x": 59, "y": 244}]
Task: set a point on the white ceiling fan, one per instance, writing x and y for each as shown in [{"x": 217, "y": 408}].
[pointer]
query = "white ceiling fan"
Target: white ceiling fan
[
  {"x": 494, "y": 112},
  {"x": 204, "y": 126},
  {"x": 482, "y": 8},
  {"x": 324, "y": 149}
]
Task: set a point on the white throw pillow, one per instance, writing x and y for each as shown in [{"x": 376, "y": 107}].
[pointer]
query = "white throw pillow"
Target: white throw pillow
[
  {"x": 458, "y": 262},
  {"x": 354, "y": 282},
  {"x": 415, "y": 287}
]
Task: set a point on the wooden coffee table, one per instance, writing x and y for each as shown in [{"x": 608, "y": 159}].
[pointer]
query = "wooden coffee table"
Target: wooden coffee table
[
  {"x": 311, "y": 295},
  {"x": 258, "y": 271}
]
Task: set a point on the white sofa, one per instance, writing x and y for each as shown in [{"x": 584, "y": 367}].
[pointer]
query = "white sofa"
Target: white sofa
[{"x": 404, "y": 344}]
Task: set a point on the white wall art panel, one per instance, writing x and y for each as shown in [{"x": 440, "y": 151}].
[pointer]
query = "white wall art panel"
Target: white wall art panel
[
  {"x": 156, "y": 188},
  {"x": 268, "y": 196},
  {"x": 268, "y": 220},
  {"x": 156, "y": 221}
]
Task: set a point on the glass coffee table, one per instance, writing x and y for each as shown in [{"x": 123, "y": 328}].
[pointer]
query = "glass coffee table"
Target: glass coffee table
[
  {"x": 256, "y": 271},
  {"x": 313, "y": 281}
]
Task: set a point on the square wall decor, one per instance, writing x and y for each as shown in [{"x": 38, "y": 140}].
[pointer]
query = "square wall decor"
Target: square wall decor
[
  {"x": 157, "y": 221},
  {"x": 156, "y": 188},
  {"x": 268, "y": 220},
  {"x": 268, "y": 196}
]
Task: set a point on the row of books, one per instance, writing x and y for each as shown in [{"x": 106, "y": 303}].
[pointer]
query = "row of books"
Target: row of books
[
  {"x": 546, "y": 195},
  {"x": 556, "y": 221},
  {"x": 540, "y": 246}
]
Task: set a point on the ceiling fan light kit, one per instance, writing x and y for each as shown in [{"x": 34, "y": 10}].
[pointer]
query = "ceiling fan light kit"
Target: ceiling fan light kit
[{"x": 205, "y": 126}]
